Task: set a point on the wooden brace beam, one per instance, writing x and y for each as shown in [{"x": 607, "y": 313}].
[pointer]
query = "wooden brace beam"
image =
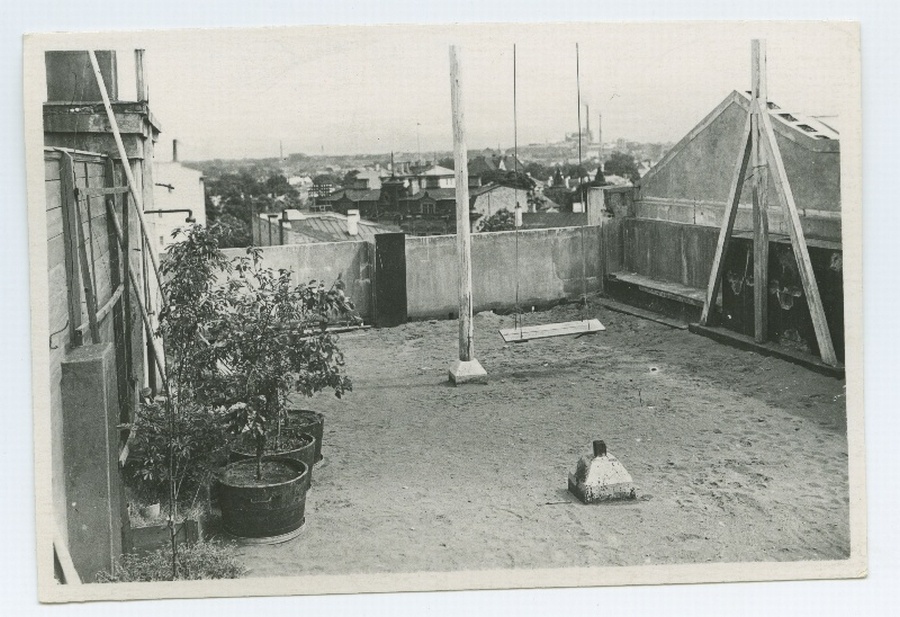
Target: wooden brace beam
[
  {"x": 111, "y": 212},
  {"x": 70, "y": 240},
  {"x": 798, "y": 241},
  {"x": 731, "y": 208}
]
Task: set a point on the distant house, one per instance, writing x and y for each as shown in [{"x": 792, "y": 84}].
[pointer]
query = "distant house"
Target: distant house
[
  {"x": 322, "y": 186},
  {"x": 435, "y": 177},
  {"x": 482, "y": 169},
  {"x": 364, "y": 200},
  {"x": 367, "y": 180},
  {"x": 179, "y": 194},
  {"x": 489, "y": 199},
  {"x": 428, "y": 212}
]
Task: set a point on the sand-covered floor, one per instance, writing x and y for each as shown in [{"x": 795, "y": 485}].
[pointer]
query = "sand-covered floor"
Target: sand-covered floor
[{"x": 737, "y": 457}]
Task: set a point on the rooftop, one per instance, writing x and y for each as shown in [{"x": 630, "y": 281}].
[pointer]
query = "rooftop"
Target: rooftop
[
  {"x": 422, "y": 477},
  {"x": 330, "y": 227},
  {"x": 435, "y": 194},
  {"x": 437, "y": 170}
]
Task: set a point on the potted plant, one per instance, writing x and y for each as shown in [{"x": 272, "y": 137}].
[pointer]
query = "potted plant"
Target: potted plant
[
  {"x": 270, "y": 339},
  {"x": 177, "y": 439},
  {"x": 306, "y": 420},
  {"x": 172, "y": 458}
]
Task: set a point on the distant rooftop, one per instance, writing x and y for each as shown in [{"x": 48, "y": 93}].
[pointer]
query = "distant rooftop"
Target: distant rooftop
[
  {"x": 330, "y": 227},
  {"x": 437, "y": 170}
]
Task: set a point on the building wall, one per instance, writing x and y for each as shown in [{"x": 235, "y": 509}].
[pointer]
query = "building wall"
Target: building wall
[
  {"x": 668, "y": 227},
  {"x": 550, "y": 269},
  {"x": 188, "y": 194},
  {"x": 58, "y": 314},
  {"x": 101, "y": 264},
  {"x": 325, "y": 261},
  {"x": 501, "y": 197},
  {"x": 693, "y": 185}
]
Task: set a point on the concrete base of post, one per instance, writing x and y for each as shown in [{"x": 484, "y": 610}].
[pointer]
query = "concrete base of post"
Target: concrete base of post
[
  {"x": 469, "y": 371},
  {"x": 601, "y": 478}
]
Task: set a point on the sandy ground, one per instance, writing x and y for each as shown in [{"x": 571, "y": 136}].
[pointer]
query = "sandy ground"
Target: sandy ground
[{"x": 737, "y": 457}]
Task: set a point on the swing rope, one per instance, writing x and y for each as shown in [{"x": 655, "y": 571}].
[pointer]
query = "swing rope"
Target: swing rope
[
  {"x": 519, "y": 333},
  {"x": 518, "y": 319}
]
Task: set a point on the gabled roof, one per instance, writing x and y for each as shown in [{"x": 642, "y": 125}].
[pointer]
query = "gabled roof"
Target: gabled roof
[
  {"x": 492, "y": 186},
  {"x": 803, "y": 130},
  {"x": 483, "y": 164},
  {"x": 480, "y": 165}
]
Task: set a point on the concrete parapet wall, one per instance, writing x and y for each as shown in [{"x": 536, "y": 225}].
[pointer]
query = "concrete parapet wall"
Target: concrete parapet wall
[
  {"x": 666, "y": 251},
  {"x": 549, "y": 269},
  {"x": 326, "y": 261}
]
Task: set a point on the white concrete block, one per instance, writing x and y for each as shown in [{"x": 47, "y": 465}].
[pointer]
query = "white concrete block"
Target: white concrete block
[
  {"x": 467, "y": 372},
  {"x": 601, "y": 477}
]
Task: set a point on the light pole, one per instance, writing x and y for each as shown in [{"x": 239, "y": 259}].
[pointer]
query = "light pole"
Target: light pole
[{"x": 418, "y": 143}]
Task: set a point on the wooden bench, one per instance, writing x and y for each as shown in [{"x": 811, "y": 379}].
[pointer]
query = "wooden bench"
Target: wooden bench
[{"x": 664, "y": 289}]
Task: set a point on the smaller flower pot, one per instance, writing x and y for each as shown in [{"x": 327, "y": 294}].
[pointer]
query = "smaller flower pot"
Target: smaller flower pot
[
  {"x": 311, "y": 422},
  {"x": 150, "y": 512}
]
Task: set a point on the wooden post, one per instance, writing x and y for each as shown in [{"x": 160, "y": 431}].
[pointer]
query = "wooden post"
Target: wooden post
[
  {"x": 70, "y": 242},
  {"x": 466, "y": 369},
  {"x": 127, "y": 308},
  {"x": 758, "y": 107},
  {"x": 603, "y": 234},
  {"x": 760, "y": 145},
  {"x": 121, "y": 334},
  {"x": 155, "y": 354},
  {"x": 139, "y": 76},
  {"x": 798, "y": 241},
  {"x": 138, "y": 201},
  {"x": 731, "y": 208},
  {"x": 86, "y": 279}
]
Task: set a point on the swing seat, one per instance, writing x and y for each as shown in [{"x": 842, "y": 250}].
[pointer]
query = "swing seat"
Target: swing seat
[{"x": 566, "y": 328}]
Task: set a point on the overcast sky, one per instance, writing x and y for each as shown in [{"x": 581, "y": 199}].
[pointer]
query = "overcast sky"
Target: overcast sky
[{"x": 238, "y": 93}]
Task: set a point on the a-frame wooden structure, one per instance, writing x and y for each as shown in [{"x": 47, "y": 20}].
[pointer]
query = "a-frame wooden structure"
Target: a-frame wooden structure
[{"x": 759, "y": 150}]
